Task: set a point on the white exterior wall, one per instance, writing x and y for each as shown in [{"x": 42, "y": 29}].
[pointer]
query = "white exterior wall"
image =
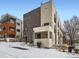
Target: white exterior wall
[
  {"x": 20, "y": 27},
  {"x": 48, "y": 12},
  {"x": 45, "y": 42},
  {"x": 47, "y": 16}
]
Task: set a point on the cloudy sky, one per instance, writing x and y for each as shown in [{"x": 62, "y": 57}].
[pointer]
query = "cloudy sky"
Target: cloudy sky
[{"x": 65, "y": 8}]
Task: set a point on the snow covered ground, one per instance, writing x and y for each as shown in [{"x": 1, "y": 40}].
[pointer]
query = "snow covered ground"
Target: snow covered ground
[{"x": 6, "y": 51}]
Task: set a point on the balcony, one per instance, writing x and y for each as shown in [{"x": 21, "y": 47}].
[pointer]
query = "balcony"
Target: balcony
[
  {"x": 43, "y": 28},
  {"x": 8, "y": 25},
  {"x": 44, "y": 35},
  {"x": 8, "y": 32}
]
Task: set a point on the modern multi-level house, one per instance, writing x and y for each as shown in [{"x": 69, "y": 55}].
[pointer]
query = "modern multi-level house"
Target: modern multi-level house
[
  {"x": 43, "y": 25},
  {"x": 10, "y": 28}
]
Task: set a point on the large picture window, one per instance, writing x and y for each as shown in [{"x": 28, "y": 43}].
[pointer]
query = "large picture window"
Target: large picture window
[
  {"x": 41, "y": 35},
  {"x": 37, "y": 35}
]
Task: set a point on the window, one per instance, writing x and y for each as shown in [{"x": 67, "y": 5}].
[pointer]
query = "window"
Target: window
[
  {"x": 55, "y": 39},
  {"x": 44, "y": 34},
  {"x": 58, "y": 24},
  {"x": 55, "y": 18},
  {"x": 37, "y": 35},
  {"x": 58, "y": 33},
  {"x": 41, "y": 35},
  {"x": 54, "y": 29},
  {"x": 18, "y": 30},
  {"x": 45, "y": 24},
  {"x": 50, "y": 34},
  {"x": 18, "y": 23}
]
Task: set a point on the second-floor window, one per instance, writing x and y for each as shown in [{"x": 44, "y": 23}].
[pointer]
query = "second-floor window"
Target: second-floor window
[
  {"x": 55, "y": 18},
  {"x": 45, "y": 24},
  {"x": 18, "y": 23},
  {"x": 54, "y": 29}
]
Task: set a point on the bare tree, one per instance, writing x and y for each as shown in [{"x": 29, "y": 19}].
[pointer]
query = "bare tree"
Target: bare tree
[
  {"x": 64, "y": 36},
  {"x": 72, "y": 28}
]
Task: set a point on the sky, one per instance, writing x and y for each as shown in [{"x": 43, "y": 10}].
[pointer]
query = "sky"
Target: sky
[{"x": 65, "y": 8}]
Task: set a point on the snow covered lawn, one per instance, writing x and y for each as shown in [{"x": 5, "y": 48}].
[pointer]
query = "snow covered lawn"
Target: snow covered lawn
[{"x": 7, "y": 51}]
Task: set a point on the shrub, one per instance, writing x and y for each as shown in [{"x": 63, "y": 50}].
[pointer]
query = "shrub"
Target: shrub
[
  {"x": 76, "y": 50},
  {"x": 39, "y": 44}
]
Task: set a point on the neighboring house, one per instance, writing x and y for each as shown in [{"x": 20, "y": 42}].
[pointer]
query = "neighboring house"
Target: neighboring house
[
  {"x": 11, "y": 28},
  {"x": 43, "y": 25}
]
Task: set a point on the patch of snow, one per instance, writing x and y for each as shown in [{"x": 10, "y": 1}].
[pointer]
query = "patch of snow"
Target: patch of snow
[{"x": 6, "y": 51}]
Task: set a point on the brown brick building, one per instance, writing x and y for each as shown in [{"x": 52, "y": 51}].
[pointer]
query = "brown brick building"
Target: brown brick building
[{"x": 31, "y": 20}]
